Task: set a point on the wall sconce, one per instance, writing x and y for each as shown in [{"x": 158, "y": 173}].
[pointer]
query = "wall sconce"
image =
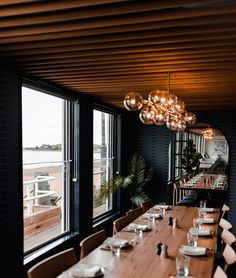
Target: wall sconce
[{"x": 161, "y": 108}]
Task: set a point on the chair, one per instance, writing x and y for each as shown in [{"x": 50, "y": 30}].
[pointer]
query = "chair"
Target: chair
[
  {"x": 224, "y": 210},
  {"x": 177, "y": 194},
  {"x": 219, "y": 273},
  {"x": 120, "y": 223},
  {"x": 91, "y": 242},
  {"x": 225, "y": 224},
  {"x": 53, "y": 265},
  {"x": 229, "y": 256},
  {"x": 146, "y": 205},
  {"x": 134, "y": 213},
  {"x": 228, "y": 237}
]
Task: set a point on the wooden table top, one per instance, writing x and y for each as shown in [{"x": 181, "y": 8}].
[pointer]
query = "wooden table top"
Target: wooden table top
[
  {"x": 141, "y": 260},
  {"x": 206, "y": 182}
]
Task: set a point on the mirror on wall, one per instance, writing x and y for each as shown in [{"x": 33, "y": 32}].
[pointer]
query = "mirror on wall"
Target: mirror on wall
[{"x": 213, "y": 147}]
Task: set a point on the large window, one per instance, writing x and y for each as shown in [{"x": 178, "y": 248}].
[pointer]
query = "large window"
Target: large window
[
  {"x": 103, "y": 158},
  {"x": 46, "y": 167}
]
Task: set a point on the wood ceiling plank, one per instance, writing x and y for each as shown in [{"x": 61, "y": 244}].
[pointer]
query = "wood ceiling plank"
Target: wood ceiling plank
[{"x": 129, "y": 19}]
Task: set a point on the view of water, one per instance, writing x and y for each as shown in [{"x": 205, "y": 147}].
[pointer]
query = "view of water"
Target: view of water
[{"x": 32, "y": 159}]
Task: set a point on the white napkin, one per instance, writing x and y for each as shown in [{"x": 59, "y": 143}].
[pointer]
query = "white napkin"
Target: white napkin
[
  {"x": 208, "y": 220},
  {"x": 200, "y": 232},
  {"x": 180, "y": 276},
  {"x": 111, "y": 240},
  {"x": 162, "y": 206},
  {"x": 208, "y": 209},
  {"x": 156, "y": 215},
  {"x": 193, "y": 251},
  {"x": 142, "y": 227},
  {"x": 86, "y": 270}
]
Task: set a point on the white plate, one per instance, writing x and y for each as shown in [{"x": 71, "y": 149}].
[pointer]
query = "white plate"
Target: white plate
[
  {"x": 86, "y": 270},
  {"x": 193, "y": 251},
  {"x": 111, "y": 240},
  {"x": 208, "y": 209},
  {"x": 162, "y": 206}
]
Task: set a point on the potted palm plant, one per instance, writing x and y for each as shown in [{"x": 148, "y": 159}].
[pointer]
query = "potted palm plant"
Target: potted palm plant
[{"x": 139, "y": 174}]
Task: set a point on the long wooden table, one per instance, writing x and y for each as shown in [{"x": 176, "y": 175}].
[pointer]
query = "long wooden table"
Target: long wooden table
[
  {"x": 141, "y": 260},
  {"x": 206, "y": 182}
]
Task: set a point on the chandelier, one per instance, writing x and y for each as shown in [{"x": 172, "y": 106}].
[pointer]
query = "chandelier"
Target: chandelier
[
  {"x": 161, "y": 108},
  {"x": 208, "y": 133}
]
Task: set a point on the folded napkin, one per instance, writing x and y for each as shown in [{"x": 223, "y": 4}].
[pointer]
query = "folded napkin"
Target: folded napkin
[
  {"x": 156, "y": 215},
  {"x": 208, "y": 209},
  {"x": 193, "y": 251},
  {"x": 86, "y": 270},
  {"x": 208, "y": 220},
  {"x": 112, "y": 240},
  {"x": 162, "y": 206},
  {"x": 142, "y": 227},
  {"x": 181, "y": 276},
  {"x": 198, "y": 232}
]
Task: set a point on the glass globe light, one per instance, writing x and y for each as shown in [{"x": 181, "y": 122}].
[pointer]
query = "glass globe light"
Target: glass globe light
[
  {"x": 172, "y": 123},
  {"x": 190, "y": 118},
  {"x": 179, "y": 106},
  {"x": 160, "y": 117},
  {"x": 133, "y": 101},
  {"x": 172, "y": 99},
  {"x": 147, "y": 113},
  {"x": 181, "y": 125}
]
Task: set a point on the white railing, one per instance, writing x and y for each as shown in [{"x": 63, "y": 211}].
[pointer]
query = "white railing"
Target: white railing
[{"x": 32, "y": 186}]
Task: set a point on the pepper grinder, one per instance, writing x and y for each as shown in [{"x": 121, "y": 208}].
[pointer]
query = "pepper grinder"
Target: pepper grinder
[
  {"x": 159, "y": 247},
  {"x": 170, "y": 221}
]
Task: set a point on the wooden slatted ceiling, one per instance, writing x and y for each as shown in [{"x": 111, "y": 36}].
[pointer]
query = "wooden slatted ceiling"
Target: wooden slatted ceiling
[{"x": 107, "y": 48}]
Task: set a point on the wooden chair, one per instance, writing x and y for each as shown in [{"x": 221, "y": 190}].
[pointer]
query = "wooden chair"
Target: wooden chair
[
  {"x": 225, "y": 224},
  {"x": 91, "y": 242},
  {"x": 134, "y": 213},
  {"x": 120, "y": 223},
  {"x": 178, "y": 194},
  {"x": 219, "y": 273},
  {"x": 224, "y": 210},
  {"x": 229, "y": 256},
  {"x": 146, "y": 205},
  {"x": 53, "y": 265}
]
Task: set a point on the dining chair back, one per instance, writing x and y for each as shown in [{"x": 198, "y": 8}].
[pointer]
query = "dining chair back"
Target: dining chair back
[
  {"x": 135, "y": 213},
  {"x": 121, "y": 223},
  {"x": 53, "y": 265},
  {"x": 229, "y": 256},
  {"x": 224, "y": 210},
  {"x": 146, "y": 205},
  {"x": 219, "y": 273},
  {"x": 91, "y": 242},
  {"x": 228, "y": 237},
  {"x": 225, "y": 224}
]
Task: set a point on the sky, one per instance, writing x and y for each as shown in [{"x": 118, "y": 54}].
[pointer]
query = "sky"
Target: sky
[{"x": 42, "y": 119}]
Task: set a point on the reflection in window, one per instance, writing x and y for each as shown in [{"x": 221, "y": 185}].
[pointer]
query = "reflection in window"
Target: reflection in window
[
  {"x": 45, "y": 167},
  {"x": 103, "y": 157}
]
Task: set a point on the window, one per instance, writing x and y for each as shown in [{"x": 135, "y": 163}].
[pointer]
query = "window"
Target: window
[
  {"x": 46, "y": 167},
  {"x": 103, "y": 158}
]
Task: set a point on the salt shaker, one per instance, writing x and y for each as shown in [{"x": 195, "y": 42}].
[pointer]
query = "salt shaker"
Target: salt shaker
[
  {"x": 164, "y": 248},
  {"x": 175, "y": 223}
]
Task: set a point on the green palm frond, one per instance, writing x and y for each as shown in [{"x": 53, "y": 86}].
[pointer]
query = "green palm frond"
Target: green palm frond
[{"x": 139, "y": 175}]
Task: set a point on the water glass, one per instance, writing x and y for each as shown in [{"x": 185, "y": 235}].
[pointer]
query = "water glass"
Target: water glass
[
  {"x": 192, "y": 239},
  {"x": 115, "y": 248},
  {"x": 139, "y": 231},
  {"x": 202, "y": 213},
  {"x": 151, "y": 217},
  {"x": 197, "y": 223},
  {"x": 182, "y": 265},
  {"x": 203, "y": 203}
]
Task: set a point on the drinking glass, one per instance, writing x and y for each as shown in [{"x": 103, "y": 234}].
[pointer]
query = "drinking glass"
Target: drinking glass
[
  {"x": 197, "y": 223},
  {"x": 202, "y": 213},
  {"x": 115, "y": 248},
  {"x": 139, "y": 231},
  {"x": 203, "y": 203},
  {"x": 182, "y": 265},
  {"x": 192, "y": 239}
]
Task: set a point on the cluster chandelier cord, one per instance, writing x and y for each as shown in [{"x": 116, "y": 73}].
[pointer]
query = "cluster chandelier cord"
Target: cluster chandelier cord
[{"x": 161, "y": 108}]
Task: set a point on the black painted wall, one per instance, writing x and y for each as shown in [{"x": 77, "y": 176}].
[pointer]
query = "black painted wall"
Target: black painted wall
[{"x": 11, "y": 207}]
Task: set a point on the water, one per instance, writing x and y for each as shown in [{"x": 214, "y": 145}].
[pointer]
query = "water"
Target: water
[{"x": 32, "y": 159}]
